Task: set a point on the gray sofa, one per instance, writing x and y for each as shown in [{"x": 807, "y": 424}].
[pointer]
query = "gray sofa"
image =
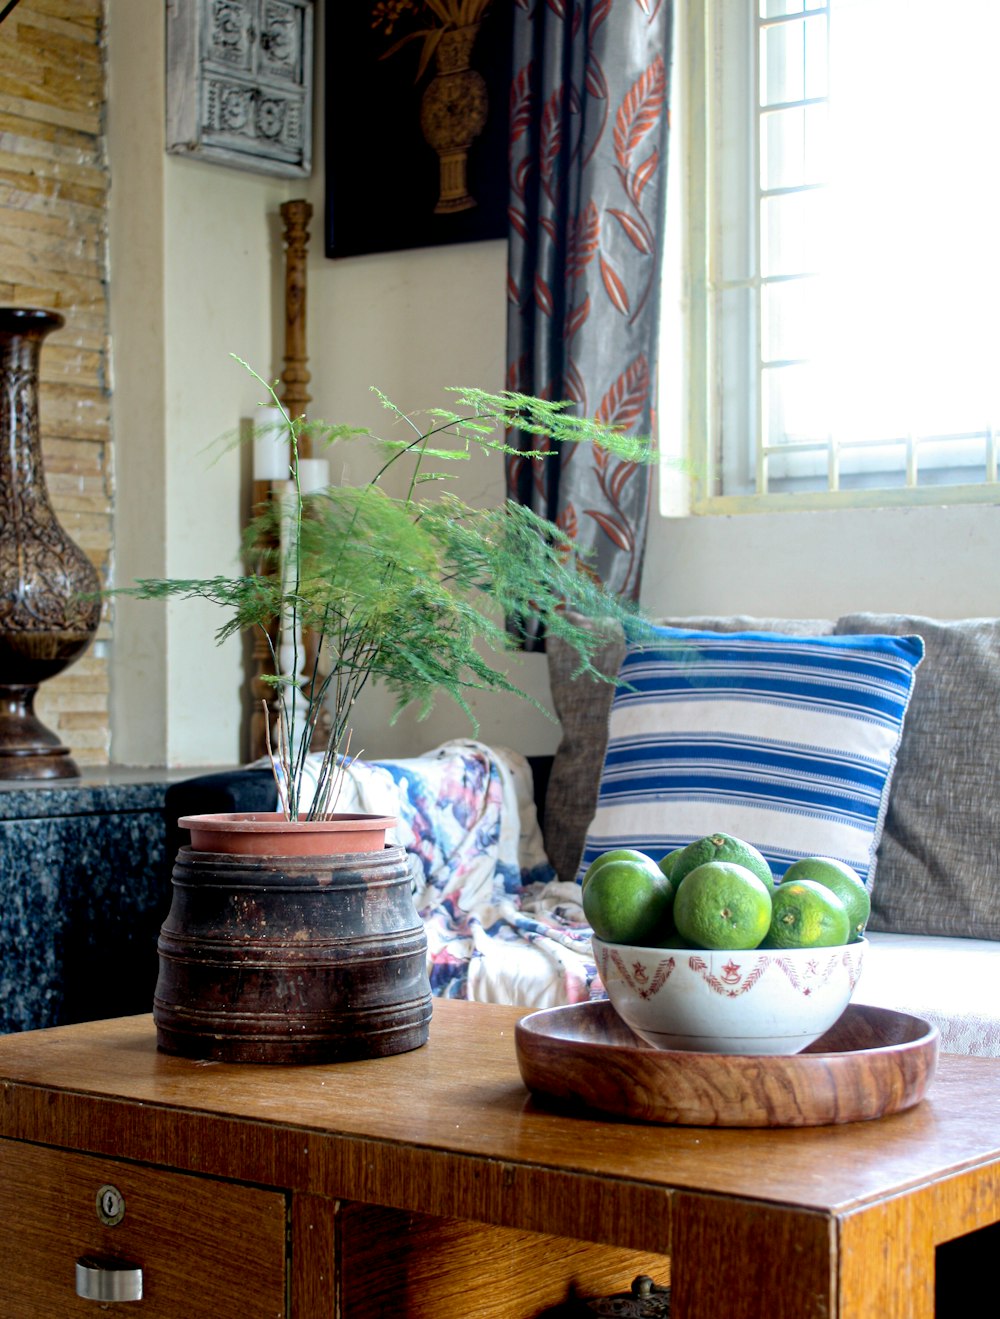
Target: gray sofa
[{"x": 935, "y": 925}]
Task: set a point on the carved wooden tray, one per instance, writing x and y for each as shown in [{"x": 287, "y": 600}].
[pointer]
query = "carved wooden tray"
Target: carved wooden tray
[{"x": 871, "y": 1062}]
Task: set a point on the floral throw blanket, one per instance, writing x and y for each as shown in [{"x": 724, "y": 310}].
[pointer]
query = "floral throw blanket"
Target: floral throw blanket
[{"x": 500, "y": 927}]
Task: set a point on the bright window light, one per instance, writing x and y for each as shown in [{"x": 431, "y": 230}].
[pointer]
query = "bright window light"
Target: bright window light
[{"x": 852, "y": 278}]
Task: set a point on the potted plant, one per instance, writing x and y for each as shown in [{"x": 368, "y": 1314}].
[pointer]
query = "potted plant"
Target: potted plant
[
  {"x": 396, "y": 580},
  {"x": 415, "y": 588}
]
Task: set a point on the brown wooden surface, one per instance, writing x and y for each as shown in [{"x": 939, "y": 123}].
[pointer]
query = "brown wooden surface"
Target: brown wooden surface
[
  {"x": 877, "y": 1283},
  {"x": 461, "y": 1098},
  {"x": 314, "y": 1253},
  {"x": 295, "y": 216},
  {"x": 193, "y": 1238},
  {"x": 872, "y": 1062},
  {"x": 731, "y": 1254},
  {"x": 449, "y": 1132},
  {"x": 450, "y": 1269}
]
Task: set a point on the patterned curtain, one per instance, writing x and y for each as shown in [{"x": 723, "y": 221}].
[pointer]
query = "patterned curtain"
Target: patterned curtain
[{"x": 588, "y": 161}]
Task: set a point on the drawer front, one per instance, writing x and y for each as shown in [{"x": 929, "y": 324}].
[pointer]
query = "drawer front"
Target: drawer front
[{"x": 204, "y": 1247}]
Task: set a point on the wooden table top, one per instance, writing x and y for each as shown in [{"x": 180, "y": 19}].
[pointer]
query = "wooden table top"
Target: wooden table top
[{"x": 108, "y": 1090}]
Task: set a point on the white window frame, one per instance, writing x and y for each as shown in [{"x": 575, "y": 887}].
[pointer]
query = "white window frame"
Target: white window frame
[{"x": 691, "y": 389}]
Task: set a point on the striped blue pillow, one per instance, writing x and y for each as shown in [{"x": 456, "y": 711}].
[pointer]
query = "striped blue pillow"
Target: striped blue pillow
[{"x": 786, "y": 742}]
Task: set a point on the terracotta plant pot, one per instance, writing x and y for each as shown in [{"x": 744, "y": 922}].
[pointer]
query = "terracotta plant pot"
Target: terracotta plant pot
[
  {"x": 312, "y": 956},
  {"x": 268, "y": 833}
]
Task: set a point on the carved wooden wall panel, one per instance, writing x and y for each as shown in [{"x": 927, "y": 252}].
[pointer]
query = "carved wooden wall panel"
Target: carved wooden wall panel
[{"x": 239, "y": 83}]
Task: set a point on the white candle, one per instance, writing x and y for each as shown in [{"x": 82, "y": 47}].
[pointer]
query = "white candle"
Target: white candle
[
  {"x": 314, "y": 474},
  {"x": 270, "y": 445}
]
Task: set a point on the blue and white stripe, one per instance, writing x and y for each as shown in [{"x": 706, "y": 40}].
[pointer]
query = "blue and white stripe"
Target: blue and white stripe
[{"x": 786, "y": 742}]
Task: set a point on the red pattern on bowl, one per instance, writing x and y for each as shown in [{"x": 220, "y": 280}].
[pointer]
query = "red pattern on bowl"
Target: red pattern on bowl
[{"x": 757, "y": 1000}]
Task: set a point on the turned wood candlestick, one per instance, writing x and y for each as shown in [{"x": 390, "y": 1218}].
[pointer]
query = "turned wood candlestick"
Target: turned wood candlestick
[
  {"x": 295, "y": 397},
  {"x": 49, "y": 607}
]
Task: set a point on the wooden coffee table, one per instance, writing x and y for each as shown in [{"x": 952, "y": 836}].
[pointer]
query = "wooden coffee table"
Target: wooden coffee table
[{"x": 432, "y": 1183}]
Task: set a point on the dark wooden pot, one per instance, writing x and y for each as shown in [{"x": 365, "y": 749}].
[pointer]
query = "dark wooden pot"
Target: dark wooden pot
[{"x": 303, "y": 959}]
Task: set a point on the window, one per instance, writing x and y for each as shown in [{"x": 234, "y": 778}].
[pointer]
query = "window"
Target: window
[{"x": 843, "y": 254}]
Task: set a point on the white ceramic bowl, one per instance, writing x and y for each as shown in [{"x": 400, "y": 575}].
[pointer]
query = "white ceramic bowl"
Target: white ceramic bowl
[{"x": 759, "y": 1000}]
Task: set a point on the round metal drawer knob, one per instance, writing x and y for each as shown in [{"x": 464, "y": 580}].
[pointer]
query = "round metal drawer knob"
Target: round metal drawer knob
[{"x": 108, "y": 1280}]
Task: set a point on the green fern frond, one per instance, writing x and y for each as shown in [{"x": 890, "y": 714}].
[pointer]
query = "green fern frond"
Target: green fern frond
[{"x": 414, "y": 592}]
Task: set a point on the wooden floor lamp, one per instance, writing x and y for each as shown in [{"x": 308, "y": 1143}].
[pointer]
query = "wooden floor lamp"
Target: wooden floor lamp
[{"x": 295, "y": 398}]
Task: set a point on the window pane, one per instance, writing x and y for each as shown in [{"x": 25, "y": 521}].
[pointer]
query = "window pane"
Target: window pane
[
  {"x": 795, "y": 405},
  {"x": 793, "y": 233},
  {"x": 793, "y": 147},
  {"x": 855, "y": 263},
  {"x": 791, "y": 325},
  {"x": 793, "y": 63},
  {"x": 777, "y": 8},
  {"x": 738, "y": 376}
]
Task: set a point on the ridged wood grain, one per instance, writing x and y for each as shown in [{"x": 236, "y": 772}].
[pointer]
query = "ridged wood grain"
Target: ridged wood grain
[
  {"x": 870, "y": 1063},
  {"x": 450, "y": 1268}
]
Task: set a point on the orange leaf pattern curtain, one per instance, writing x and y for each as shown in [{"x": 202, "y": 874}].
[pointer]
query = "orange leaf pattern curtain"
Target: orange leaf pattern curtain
[{"x": 588, "y": 160}]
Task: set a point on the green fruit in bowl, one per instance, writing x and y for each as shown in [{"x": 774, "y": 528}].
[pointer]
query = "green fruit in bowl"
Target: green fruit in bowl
[
  {"x": 629, "y": 901},
  {"x": 721, "y": 847},
  {"x": 616, "y": 854},
  {"x": 804, "y": 914},
  {"x": 669, "y": 862},
  {"x": 722, "y": 905},
  {"x": 840, "y": 879}
]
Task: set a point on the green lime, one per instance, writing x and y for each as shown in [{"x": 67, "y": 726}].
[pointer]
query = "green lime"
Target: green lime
[
  {"x": 628, "y": 901},
  {"x": 721, "y": 847},
  {"x": 617, "y": 854},
  {"x": 722, "y": 905},
  {"x": 804, "y": 914},
  {"x": 667, "y": 863},
  {"x": 839, "y": 879}
]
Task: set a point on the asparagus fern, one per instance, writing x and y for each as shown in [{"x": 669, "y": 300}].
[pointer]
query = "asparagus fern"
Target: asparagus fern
[{"x": 414, "y": 591}]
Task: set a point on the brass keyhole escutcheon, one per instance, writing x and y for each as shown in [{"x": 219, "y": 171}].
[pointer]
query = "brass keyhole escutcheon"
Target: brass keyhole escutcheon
[{"x": 110, "y": 1205}]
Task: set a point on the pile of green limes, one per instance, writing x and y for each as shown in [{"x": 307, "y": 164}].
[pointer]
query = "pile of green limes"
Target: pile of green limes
[{"x": 719, "y": 892}]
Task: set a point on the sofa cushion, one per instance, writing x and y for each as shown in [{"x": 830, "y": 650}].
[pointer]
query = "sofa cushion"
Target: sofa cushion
[
  {"x": 583, "y": 705},
  {"x": 950, "y": 982},
  {"x": 786, "y": 742},
  {"x": 939, "y": 859}
]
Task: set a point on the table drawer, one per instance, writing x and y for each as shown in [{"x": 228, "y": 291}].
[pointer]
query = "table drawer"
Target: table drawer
[{"x": 204, "y": 1247}]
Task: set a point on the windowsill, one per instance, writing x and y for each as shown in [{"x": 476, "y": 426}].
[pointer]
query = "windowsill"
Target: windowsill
[{"x": 826, "y": 500}]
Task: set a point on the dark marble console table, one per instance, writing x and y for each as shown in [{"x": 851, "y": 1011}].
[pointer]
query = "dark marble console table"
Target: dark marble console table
[{"x": 84, "y": 886}]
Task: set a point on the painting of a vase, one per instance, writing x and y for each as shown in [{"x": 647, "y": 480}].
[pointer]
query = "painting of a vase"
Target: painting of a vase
[{"x": 417, "y": 123}]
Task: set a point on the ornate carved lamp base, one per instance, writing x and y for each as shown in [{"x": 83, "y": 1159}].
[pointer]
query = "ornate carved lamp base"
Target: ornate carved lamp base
[{"x": 29, "y": 750}]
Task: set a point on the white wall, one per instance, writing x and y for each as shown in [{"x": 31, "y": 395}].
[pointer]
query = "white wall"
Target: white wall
[
  {"x": 935, "y": 561},
  {"x": 191, "y": 282},
  {"x": 413, "y": 323},
  {"x": 197, "y": 274}
]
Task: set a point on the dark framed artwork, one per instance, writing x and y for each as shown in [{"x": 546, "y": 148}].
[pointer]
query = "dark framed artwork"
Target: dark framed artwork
[{"x": 416, "y": 123}]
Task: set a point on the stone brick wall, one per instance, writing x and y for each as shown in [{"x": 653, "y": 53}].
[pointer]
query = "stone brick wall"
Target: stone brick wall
[{"x": 53, "y": 253}]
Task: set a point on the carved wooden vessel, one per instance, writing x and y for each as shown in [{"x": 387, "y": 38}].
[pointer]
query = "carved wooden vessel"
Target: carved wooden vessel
[
  {"x": 870, "y": 1063},
  {"x": 296, "y": 959},
  {"x": 49, "y": 608}
]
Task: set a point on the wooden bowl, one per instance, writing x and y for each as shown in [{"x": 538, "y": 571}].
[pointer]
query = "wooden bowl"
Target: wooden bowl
[{"x": 871, "y": 1062}]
